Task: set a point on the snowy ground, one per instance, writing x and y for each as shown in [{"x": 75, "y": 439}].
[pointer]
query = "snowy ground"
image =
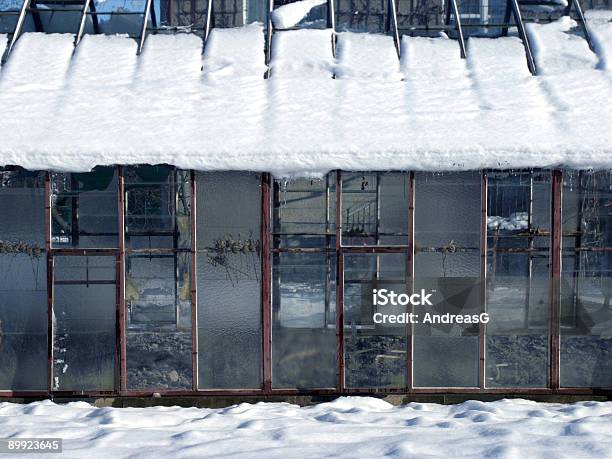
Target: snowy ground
[{"x": 347, "y": 427}]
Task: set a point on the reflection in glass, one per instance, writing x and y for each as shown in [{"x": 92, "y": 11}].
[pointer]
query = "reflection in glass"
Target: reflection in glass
[
  {"x": 375, "y": 208},
  {"x": 158, "y": 277},
  {"x": 447, "y": 262},
  {"x": 84, "y": 332},
  {"x": 518, "y": 298},
  {"x": 374, "y": 354},
  {"x": 586, "y": 284},
  {"x": 23, "y": 281},
  {"x": 229, "y": 279},
  {"x": 84, "y": 209},
  {"x": 303, "y": 321},
  {"x": 304, "y": 212}
]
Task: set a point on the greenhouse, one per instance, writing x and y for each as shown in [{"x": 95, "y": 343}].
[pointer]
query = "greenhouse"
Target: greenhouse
[{"x": 206, "y": 197}]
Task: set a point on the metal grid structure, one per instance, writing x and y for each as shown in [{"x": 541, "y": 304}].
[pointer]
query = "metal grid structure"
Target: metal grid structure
[
  {"x": 459, "y": 18},
  {"x": 340, "y": 251}
]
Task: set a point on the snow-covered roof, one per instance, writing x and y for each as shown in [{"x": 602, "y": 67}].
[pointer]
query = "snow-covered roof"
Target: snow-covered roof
[{"x": 68, "y": 109}]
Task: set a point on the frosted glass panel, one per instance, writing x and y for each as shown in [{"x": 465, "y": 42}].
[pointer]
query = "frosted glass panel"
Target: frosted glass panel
[
  {"x": 23, "y": 282},
  {"x": 447, "y": 262},
  {"x": 84, "y": 340},
  {"x": 229, "y": 280},
  {"x": 303, "y": 318}
]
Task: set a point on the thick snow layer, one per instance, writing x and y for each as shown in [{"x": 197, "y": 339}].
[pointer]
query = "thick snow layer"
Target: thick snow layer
[
  {"x": 106, "y": 105},
  {"x": 235, "y": 52},
  {"x": 368, "y": 56},
  {"x": 303, "y": 53},
  {"x": 291, "y": 14},
  {"x": 347, "y": 427}
]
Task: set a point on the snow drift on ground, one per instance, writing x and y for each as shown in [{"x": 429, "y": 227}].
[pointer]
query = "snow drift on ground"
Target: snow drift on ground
[
  {"x": 347, "y": 427},
  {"x": 363, "y": 109}
]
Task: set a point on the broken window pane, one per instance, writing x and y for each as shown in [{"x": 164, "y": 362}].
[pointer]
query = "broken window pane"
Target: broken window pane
[
  {"x": 84, "y": 333},
  {"x": 447, "y": 264},
  {"x": 229, "y": 279},
  {"x": 375, "y": 208},
  {"x": 518, "y": 287},
  {"x": 23, "y": 281},
  {"x": 374, "y": 354},
  {"x": 304, "y": 212},
  {"x": 303, "y": 320},
  {"x": 84, "y": 209},
  {"x": 586, "y": 284}
]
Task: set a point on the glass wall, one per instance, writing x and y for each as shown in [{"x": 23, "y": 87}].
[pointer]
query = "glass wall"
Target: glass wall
[
  {"x": 23, "y": 281},
  {"x": 411, "y": 233},
  {"x": 158, "y": 277},
  {"x": 229, "y": 280},
  {"x": 447, "y": 264},
  {"x": 586, "y": 285},
  {"x": 518, "y": 271},
  {"x": 303, "y": 285}
]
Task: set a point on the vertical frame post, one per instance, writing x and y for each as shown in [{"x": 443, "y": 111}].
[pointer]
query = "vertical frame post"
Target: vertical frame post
[
  {"x": 393, "y": 19},
  {"x": 17, "y": 31},
  {"x": 266, "y": 282},
  {"x": 48, "y": 229},
  {"x": 143, "y": 29},
  {"x": 555, "y": 277},
  {"x": 194, "y": 286},
  {"x": 209, "y": 20},
  {"x": 523, "y": 36},
  {"x": 122, "y": 335},
  {"x": 81, "y": 30},
  {"x": 339, "y": 287},
  {"x": 410, "y": 280},
  {"x": 482, "y": 329},
  {"x": 269, "y": 32},
  {"x": 460, "y": 37}
]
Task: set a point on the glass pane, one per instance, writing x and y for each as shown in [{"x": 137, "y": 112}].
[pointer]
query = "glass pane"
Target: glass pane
[
  {"x": 422, "y": 13},
  {"x": 23, "y": 282},
  {"x": 9, "y": 11},
  {"x": 229, "y": 279},
  {"x": 518, "y": 298},
  {"x": 374, "y": 353},
  {"x": 375, "y": 208},
  {"x": 117, "y": 16},
  {"x": 158, "y": 299},
  {"x": 54, "y": 17},
  {"x": 187, "y": 14},
  {"x": 84, "y": 333},
  {"x": 447, "y": 264},
  {"x": 363, "y": 16},
  {"x": 158, "y": 207},
  {"x": 303, "y": 321},
  {"x": 586, "y": 284},
  {"x": 85, "y": 209},
  {"x": 304, "y": 212}
]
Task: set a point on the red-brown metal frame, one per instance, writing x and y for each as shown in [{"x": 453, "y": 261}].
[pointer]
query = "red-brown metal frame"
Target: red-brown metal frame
[
  {"x": 266, "y": 285},
  {"x": 555, "y": 277},
  {"x": 194, "y": 287},
  {"x": 482, "y": 328}
]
